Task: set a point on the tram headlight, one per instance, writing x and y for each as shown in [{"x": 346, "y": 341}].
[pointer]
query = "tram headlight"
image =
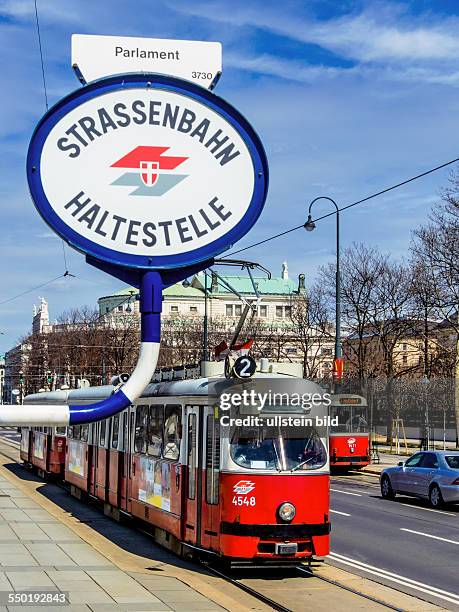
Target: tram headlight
[{"x": 286, "y": 512}]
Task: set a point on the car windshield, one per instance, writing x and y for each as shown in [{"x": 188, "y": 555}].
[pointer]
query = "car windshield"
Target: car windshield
[
  {"x": 277, "y": 448},
  {"x": 452, "y": 461}
]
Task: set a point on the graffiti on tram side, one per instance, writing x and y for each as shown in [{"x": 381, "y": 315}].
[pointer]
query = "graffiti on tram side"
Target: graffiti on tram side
[
  {"x": 39, "y": 446},
  {"x": 76, "y": 457},
  {"x": 154, "y": 485}
]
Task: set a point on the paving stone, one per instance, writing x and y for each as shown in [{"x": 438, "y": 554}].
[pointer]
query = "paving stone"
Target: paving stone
[
  {"x": 28, "y": 531},
  {"x": 158, "y": 583},
  {"x": 5, "y": 584},
  {"x": 181, "y": 596},
  {"x": 20, "y": 580},
  {"x": 68, "y": 574},
  {"x": 83, "y": 554},
  {"x": 6, "y": 533},
  {"x": 7, "y": 502},
  {"x": 14, "y": 514},
  {"x": 89, "y": 597},
  {"x": 120, "y": 585},
  {"x": 56, "y": 531},
  {"x": 48, "y": 553},
  {"x": 135, "y": 607},
  {"x": 37, "y": 516},
  {"x": 18, "y": 561},
  {"x": 26, "y": 502},
  {"x": 191, "y": 606}
]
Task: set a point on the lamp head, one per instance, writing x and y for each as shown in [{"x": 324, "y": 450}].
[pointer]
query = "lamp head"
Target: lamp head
[
  {"x": 186, "y": 283},
  {"x": 309, "y": 226}
]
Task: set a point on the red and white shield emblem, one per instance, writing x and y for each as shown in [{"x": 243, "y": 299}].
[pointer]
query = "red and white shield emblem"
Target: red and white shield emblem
[{"x": 149, "y": 172}]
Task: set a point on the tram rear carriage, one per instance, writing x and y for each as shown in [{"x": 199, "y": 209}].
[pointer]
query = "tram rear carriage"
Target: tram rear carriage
[
  {"x": 349, "y": 440},
  {"x": 44, "y": 447},
  {"x": 255, "y": 495}
]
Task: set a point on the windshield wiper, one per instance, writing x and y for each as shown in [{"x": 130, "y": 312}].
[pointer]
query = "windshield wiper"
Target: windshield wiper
[{"x": 297, "y": 467}]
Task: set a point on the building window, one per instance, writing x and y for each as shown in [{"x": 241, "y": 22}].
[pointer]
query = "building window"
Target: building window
[
  {"x": 107, "y": 308},
  {"x": 405, "y": 358},
  {"x": 263, "y": 311},
  {"x": 404, "y": 346},
  {"x": 238, "y": 310},
  {"x": 229, "y": 310},
  {"x": 174, "y": 308},
  {"x": 193, "y": 309},
  {"x": 120, "y": 308},
  {"x": 288, "y": 311},
  {"x": 326, "y": 351},
  {"x": 279, "y": 311}
]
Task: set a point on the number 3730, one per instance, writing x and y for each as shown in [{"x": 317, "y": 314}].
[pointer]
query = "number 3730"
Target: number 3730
[{"x": 242, "y": 500}]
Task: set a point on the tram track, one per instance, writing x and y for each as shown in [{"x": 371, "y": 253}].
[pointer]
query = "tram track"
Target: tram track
[{"x": 277, "y": 605}]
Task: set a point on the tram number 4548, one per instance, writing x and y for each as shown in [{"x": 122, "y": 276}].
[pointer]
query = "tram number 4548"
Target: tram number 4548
[{"x": 242, "y": 500}]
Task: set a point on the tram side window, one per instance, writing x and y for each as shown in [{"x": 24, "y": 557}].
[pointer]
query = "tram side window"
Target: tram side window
[
  {"x": 115, "y": 430},
  {"x": 155, "y": 431},
  {"x": 212, "y": 460},
  {"x": 60, "y": 431},
  {"x": 84, "y": 433},
  {"x": 191, "y": 451},
  {"x": 76, "y": 432},
  {"x": 141, "y": 422},
  {"x": 102, "y": 432},
  {"x": 172, "y": 432}
]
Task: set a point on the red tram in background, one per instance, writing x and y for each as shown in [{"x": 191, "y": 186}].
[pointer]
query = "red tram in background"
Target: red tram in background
[
  {"x": 349, "y": 441},
  {"x": 256, "y": 495}
]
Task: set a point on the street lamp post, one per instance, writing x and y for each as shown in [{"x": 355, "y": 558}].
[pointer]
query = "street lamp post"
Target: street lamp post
[{"x": 310, "y": 226}]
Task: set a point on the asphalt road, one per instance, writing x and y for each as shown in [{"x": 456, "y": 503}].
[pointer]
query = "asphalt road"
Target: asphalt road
[{"x": 403, "y": 543}]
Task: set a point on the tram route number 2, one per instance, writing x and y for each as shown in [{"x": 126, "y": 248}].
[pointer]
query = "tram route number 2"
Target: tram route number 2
[{"x": 243, "y": 500}]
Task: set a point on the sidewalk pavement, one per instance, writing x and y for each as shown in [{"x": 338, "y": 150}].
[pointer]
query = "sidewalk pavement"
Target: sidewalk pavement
[
  {"x": 385, "y": 460},
  {"x": 39, "y": 553}
]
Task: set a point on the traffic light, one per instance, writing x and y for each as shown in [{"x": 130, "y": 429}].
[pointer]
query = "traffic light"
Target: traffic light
[
  {"x": 49, "y": 378},
  {"x": 21, "y": 377}
]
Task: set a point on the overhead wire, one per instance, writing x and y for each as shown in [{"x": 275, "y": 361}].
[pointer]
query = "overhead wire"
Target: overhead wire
[
  {"x": 361, "y": 201},
  {"x": 45, "y": 91}
]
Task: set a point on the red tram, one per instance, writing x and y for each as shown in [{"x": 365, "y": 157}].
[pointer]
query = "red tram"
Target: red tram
[
  {"x": 248, "y": 496},
  {"x": 349, "y": 440}
]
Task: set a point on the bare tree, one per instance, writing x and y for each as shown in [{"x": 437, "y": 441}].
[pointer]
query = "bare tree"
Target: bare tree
[
  {"x": 311, "y": 328},
  {"x": 437, "y": 243}
]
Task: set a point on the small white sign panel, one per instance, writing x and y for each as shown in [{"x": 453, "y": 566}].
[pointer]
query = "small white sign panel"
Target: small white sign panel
[{"x": 95, "y": 57}]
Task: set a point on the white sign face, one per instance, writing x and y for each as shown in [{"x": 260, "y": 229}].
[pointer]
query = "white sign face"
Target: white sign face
[
  {"x": 153, "y": 174},
  {"x": 95, "y": 57}
]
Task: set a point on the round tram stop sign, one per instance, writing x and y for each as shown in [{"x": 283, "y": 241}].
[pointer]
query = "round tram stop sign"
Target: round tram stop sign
[{"x": 147, "y": 171}]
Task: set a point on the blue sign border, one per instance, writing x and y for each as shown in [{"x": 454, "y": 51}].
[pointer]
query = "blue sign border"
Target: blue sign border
[{"x": 147, "y": 81}]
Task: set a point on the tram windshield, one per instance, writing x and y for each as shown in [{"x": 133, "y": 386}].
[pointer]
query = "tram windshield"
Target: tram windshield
[
  {"x": 351, "y": 419},
  {"x": 277, "y": 448}
]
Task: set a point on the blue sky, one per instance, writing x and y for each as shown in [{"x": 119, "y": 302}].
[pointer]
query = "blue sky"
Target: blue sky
[{"x": 348, "y": 97}]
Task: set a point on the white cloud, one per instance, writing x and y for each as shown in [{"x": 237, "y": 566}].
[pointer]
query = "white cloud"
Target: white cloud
[{"x": 381, "y": 33}]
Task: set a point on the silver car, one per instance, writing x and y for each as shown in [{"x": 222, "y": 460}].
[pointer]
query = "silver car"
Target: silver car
[{"x": 433, "y": 475}]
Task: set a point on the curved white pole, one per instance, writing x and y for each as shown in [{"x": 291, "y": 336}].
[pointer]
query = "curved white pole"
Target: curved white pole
[{"x": 62, "y": 415}]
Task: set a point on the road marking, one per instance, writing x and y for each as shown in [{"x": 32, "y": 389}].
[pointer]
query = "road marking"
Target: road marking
[
  {"x": 428, "y": 535},
  {"x": 402, "y": 580},
  {"x": 346, "y": 492},
  {"x": 429, "y": 509},
  {"x": 338, "y": 512}
]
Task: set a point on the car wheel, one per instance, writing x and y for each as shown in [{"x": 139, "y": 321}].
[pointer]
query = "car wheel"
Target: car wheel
[
  {"x": 386, "y": 488},
  {"x": 435, "y": 496}
]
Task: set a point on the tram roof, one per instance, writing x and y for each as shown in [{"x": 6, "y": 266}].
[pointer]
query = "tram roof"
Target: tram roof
[{"x": 188, "y": 388}]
